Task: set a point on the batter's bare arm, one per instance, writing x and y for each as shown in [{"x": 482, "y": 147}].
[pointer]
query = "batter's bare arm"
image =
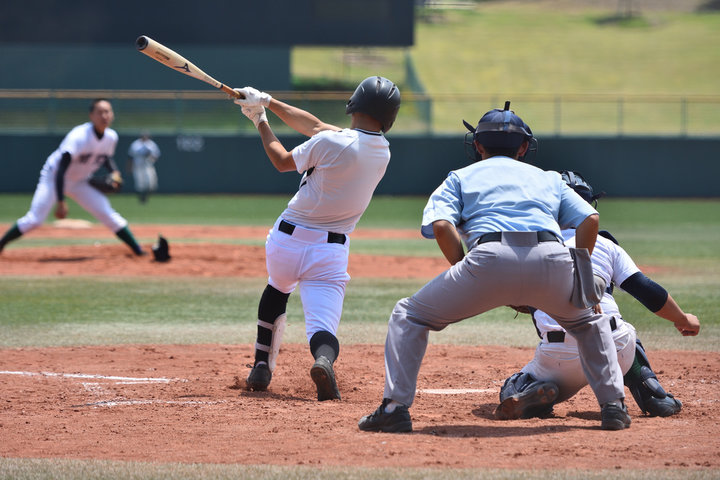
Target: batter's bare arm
[
  {"x": 299, "y": 120},
  {"x": 279, "y": 156}
]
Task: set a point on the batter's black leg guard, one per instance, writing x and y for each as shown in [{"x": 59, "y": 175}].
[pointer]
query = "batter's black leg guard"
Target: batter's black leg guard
[
  {"x": 645, "y": 388},
  {"x": 325, "y": 348},
  {"x": 324, "y": 344},
  {"x": 273, "y": 305},
  {"x": 523, "y": 396},
  {"x": 12, "y": 234}
]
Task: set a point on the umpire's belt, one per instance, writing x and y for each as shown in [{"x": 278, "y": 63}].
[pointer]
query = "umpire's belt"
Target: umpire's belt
[
  {"x": 557, "y": 336},
  {"x": 332, "y": 237},
  {"x": 543, "y": 236}
]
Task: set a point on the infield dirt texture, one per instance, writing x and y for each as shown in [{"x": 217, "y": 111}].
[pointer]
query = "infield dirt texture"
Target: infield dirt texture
[{"x": 187, "y": 403}]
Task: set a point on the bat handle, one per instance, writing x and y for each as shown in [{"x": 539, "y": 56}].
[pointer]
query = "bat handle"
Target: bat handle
[{"x": 230, "y": 91}]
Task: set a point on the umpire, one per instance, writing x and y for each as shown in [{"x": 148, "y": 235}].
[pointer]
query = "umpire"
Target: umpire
[{"x": 509, "y": 215}]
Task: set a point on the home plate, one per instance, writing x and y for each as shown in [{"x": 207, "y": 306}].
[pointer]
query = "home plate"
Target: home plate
[{"x": 455, "y": 391}]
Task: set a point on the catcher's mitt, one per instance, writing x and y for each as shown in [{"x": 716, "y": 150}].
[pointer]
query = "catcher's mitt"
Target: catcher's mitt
[{"x": 107, "y": 183}]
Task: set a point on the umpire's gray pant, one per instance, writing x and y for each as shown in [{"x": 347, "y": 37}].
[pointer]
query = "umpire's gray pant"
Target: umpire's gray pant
[{"x": 516, "y": 271}]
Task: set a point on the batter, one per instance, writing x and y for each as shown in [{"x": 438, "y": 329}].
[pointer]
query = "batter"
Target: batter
[
  {"x": 84, "y": 150},
  {"x": 308, "y": 246},
  {"x": 509, "y": 215}
]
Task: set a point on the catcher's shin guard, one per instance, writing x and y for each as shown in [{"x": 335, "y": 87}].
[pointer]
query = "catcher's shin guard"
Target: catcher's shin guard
[
  {"x": 645, "y": 388},
  {"x": 270, "y": 325}
]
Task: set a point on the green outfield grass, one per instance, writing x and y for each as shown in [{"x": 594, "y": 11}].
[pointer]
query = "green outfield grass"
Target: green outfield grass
[
  {"x": 675, "y": 239},
  {"x": 535, "y": 53}
]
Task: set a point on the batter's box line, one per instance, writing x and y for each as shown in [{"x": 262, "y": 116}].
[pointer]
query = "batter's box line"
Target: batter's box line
[{"x": 95, "y": 377}]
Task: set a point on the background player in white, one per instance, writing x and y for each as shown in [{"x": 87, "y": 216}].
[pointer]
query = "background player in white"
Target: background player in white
[
  {"x": 84, "y": 150},
  {"x": 308, "y": 246},
  {"x": 555, "y": 373},
  {"x": 143, "y": 153},
  {"x": 508, "y": 214}
]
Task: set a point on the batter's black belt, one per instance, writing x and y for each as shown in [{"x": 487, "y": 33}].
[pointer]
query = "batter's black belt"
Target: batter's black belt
[
  {"x": 332, "y": 237},
  {"x": 543, "y": 236},
  {"x": 556, "y": 336}
]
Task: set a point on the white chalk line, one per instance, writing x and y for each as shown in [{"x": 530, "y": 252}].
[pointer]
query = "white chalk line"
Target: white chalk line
[
  {"x": 97, "y": 377},
  {"x": 95, "y": 389},
  {"x": 455, "y": 391},
  {"x": 120, "y": 403}
]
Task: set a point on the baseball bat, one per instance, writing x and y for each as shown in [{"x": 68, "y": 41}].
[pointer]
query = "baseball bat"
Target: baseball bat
[{"x": 170, "y": 58}]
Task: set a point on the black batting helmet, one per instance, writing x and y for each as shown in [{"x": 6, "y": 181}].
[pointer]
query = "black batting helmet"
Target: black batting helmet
[
  {"x": 576, "y": 181},
  {"x": 377, "y": 97},
  {"x": 502, "y": 129}
]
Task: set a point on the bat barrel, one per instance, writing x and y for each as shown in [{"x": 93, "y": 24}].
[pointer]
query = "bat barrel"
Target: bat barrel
[{"x": 142, "y": 42}]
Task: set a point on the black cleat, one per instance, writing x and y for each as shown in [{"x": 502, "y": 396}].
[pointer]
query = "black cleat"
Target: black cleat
[
  {"x": 536, "y": 401},
  {"x": 324, "y": 377},
  {"x": 614, "y": 416},
  {"x": 259, "y": 377},
  {"x": 379, "y": 421}
]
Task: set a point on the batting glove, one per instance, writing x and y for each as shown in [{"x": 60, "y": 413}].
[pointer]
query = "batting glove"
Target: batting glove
[
  {"x": 253, "y": 97},
  {"x": 255, "y": 113}
]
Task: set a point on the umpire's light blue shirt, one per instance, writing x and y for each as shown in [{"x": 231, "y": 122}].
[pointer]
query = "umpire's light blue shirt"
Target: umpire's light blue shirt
[{"x": 500, "y": 194}]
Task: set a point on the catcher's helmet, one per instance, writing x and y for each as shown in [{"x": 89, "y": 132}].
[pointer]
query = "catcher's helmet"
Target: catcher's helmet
[
  {"x": 377, "y": 97},
  {"x": 502, "y": 129},
  {"x": 576, "y": 181}
]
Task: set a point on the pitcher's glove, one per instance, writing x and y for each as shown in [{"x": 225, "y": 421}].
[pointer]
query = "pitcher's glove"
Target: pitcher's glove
[
  {"x": 161, "y": 250},
  {"x": 107, "y": 182}
]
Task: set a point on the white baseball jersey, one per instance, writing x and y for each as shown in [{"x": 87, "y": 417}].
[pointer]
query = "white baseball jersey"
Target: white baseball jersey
[
  {"x": 87, "y": 150},
  {"x": 342, "y": 170}
]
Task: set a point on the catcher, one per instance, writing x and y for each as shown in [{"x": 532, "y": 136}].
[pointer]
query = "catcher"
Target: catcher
[
  {"x": 71, "y": 170},
  {"x": 555, "y": 373}
]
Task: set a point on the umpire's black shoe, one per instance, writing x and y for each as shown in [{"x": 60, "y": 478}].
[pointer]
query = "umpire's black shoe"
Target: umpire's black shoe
[
  {"x": 259, "y": 377},
  {"x": 324, "y": 377},
  {"x": 614, "y": 416},
  {"x": 536, "y": 401},
  {"x": 380, "y": 421}
]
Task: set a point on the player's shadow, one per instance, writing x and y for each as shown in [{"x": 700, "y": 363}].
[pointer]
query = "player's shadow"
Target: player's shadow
[
  {"x": 277, "y": 396},
  {"x": 65, "y": 259},
  {"x": 505, "y": 428},
  {"x": 502, "y": 429}
]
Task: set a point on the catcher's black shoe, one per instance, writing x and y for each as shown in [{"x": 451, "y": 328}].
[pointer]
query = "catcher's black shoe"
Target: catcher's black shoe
[
  {"x": 536, "y": 401},
  {"x": 614, "y": 416},
  {"x": 380, "y": 421},
  {"x": 324, "y": 377},
  {"x": 259, "y": 377}
]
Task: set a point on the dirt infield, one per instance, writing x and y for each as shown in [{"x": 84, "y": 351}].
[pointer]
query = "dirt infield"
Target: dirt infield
[{"x": 186, "y": 403}]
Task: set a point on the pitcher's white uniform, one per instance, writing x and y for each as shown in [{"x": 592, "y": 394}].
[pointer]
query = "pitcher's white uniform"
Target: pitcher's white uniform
[
  {"x": 88, "y": 153},
  {"x": 341, "y": 171},
  {"x": 559, "y": 361}
]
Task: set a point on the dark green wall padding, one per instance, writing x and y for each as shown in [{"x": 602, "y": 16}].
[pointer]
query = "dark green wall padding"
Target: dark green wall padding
[{"x": 620, "y": 166}]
